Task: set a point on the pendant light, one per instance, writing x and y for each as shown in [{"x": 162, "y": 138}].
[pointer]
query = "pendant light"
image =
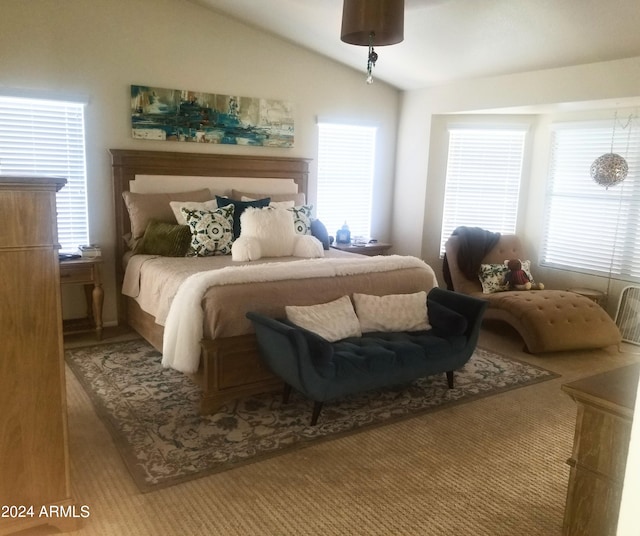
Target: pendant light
[
  {"x": 372, "y": 23},
  {"x": 611, "y": 168}
]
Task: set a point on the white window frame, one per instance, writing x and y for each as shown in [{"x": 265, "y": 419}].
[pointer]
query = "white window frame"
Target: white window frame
[
  {"x": 41, "y": 134},
  {"x": 483, "y": 177},
  {"x": 346, "y": 171},
  {"x": 589, "y": 228}
]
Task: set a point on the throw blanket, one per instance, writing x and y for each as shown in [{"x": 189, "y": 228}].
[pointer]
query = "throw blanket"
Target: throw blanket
[
  {"x": 475, "y": 243},
  {"x": 184, "y": 324}
]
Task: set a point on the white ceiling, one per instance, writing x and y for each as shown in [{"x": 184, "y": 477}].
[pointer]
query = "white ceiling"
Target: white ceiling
[{"x": 450, "y": 40}]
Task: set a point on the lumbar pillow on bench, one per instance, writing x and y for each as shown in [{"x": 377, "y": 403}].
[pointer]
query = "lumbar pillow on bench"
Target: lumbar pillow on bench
[
  {"x": 332, "y": 321},
  {"x": 393, "y": 312}
]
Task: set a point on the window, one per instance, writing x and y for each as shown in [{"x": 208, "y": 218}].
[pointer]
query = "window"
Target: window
[
  {"x": 484, "y": 168},
  {"x": 346, "y": 156},
  {"x": 589, "y": 228},
  {"x": 46, "y": 137}
]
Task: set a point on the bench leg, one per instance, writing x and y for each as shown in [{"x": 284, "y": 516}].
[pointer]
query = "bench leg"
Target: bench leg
[
  {"x": 450, "y": 378},
  {"x": 286, "y": 393},
  {"x": 317, "y": 407}
]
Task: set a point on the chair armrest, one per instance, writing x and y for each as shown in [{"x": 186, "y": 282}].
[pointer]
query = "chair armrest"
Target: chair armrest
[
  {"x": 280, "y": 346},
  {"x": 470, "y": 307},
  {"x": 286, "y": 349}
]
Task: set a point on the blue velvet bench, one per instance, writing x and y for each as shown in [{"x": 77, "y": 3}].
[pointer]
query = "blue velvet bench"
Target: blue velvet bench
[{"x": 323, "y": 370}]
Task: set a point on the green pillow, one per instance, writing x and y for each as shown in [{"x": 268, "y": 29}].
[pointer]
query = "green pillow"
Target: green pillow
[{"x": 165, "y": 239}]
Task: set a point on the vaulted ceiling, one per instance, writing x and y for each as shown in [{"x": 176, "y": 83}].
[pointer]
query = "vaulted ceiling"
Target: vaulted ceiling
[{"x": 452, "y": 40}]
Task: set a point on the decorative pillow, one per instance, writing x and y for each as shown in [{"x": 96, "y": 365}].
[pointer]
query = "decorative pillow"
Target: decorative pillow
[
  {"x": 307, "y": 246},
  {"x": 269, "y": 232},
  {"x": 297, "y": 198},
  {"x": 177, "y": 206},
  {"x": 393, "y": 312},
  {"x": 273, "y": 229},
  {"x": 211, "y": 231},
  {"x": 319, "y": 230},
  {"x": 146, "y": 207},
  {"x": 332, "y": 321},
  {"x": 302, "y": 218},
  {"x": 239, "y": 208},
  {"x": 273, "y": 204},
  {"x": 492, "y": 276},
  {"x": 166, "y": 239}
]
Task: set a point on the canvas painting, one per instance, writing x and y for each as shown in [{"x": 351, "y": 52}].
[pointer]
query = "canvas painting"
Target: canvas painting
[{"x": 180, "y": 115}]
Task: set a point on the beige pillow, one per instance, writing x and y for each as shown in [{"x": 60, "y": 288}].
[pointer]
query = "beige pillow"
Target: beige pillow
[
  {"x": 298, "y": 198},
  {"x": 176, "y": 207},
  {"x": 146, "y": 207},
  {"x": 394, "y": 312},
  {"x": 333, "y": 321}
]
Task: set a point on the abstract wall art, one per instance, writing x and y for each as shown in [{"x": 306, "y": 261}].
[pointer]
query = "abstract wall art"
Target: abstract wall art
[{"x": 181, "y": 115}]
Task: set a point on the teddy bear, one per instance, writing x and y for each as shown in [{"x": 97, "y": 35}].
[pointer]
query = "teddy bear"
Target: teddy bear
[{"x": 517, "y": 279}]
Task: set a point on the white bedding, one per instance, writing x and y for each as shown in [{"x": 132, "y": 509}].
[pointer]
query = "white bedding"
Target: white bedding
[
  {"x": 184, "y": 321},
  {"x": 153, "y": 280}
]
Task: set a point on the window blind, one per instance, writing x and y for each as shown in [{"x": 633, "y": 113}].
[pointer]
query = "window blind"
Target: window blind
[
  {"x": 589, "y": 228},
  {"x": 484, "y": 170},
  {"x": 346, "y": 158},
  {"x": 46, "y": 137}
]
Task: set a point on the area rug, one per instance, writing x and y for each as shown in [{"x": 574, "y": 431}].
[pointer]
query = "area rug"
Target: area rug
[{"x": 152, "y": 412}]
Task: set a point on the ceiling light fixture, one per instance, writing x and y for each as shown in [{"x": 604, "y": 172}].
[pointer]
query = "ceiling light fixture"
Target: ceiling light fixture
[
  {"x": 372, "y": 22},
  {"x": 611, "y": 168}
]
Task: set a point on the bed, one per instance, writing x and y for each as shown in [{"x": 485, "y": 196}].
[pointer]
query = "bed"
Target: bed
[{"x": 229, "y": 365}]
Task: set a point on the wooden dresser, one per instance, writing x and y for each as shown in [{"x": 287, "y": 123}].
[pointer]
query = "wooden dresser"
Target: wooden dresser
[
  {"x": 603, "y": 428},
  {"x": 34, "y": 458}
]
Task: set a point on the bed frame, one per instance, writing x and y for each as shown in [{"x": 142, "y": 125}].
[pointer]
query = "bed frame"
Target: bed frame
[{"x": 230, "y": 367}]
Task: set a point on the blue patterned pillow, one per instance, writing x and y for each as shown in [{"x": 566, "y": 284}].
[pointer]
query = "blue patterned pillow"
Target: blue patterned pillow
[
  {"x": 302, "y": 218},
  {"x": 211, "y": 231}
]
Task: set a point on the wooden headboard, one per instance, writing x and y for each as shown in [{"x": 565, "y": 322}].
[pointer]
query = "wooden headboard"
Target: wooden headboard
[{"x": 126, "y": 165}]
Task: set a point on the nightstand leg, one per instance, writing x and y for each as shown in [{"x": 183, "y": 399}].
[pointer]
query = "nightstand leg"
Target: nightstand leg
[{"x": 98, "y": 299}]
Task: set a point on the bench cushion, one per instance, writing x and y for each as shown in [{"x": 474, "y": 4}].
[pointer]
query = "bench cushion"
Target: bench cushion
[{"x": 385, "y": 353}]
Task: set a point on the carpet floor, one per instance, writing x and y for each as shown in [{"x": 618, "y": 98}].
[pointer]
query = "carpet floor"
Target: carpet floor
[{"x": 152, "y": 412}]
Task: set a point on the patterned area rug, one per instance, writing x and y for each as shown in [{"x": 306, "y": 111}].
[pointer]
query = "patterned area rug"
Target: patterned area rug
[{"x": 152, "y": 412}]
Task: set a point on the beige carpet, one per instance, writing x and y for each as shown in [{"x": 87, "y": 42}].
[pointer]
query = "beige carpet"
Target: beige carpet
[{"x": 496, "y": 466}]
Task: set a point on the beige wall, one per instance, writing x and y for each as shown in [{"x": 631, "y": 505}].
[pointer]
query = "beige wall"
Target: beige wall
[
  {"x": 98, "y": 48},
  {"x": 539, "y": 99}
]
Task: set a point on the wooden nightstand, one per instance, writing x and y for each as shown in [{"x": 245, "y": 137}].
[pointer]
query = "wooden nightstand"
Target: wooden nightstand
[
  {"x": 85, "y": 272},
  {"x": 377, "y": 248}
]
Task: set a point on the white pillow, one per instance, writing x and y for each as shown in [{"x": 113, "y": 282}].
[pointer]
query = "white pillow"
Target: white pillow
[
  {"x": 334, "y": 320},
  {"x": 272, "y": 227},
  {"x": 273, "y": 204},
  {"x": 176, "y": 207},
  {"x": 307, "y": 246},
  {"x": 394, "y": 312}
]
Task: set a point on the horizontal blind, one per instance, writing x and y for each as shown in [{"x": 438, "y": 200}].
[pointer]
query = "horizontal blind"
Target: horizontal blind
[
  {"x": 346, "y": 159},
  {"x": 46, "y": 137},
  {"x": 484, "y": 170},
  {"x": 588, "y": 227}
]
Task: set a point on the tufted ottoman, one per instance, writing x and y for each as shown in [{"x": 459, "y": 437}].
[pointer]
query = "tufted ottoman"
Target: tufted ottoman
[{"x": 553, "y": 320}]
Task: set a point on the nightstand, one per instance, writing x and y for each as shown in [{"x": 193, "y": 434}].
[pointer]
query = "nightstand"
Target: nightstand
[
  {"x": 85, "y": 272},
  {"x": 376, "y": 248}
]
